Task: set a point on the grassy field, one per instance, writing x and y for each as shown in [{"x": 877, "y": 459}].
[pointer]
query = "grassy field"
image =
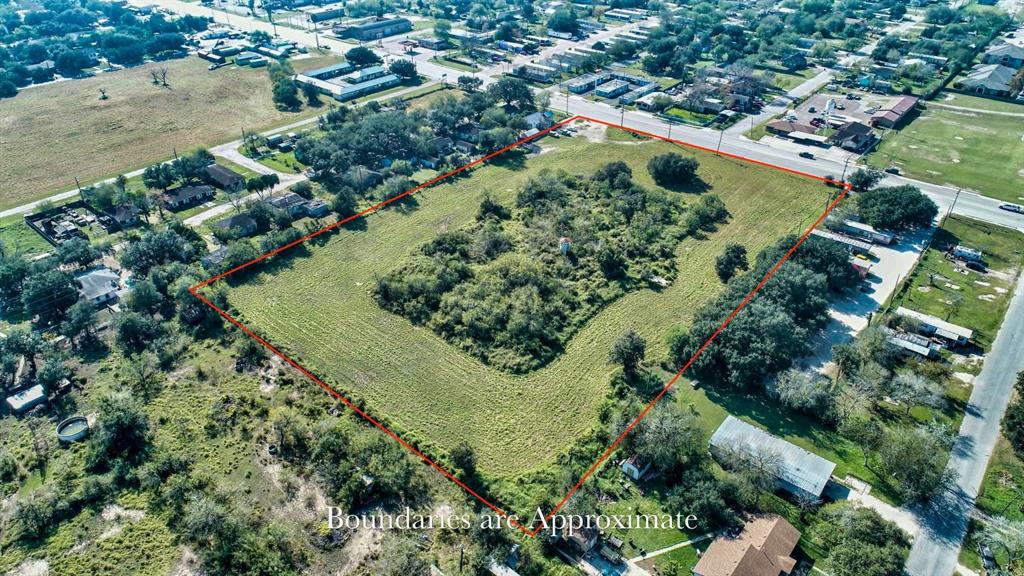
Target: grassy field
[
  {"x": 54, "y": 133},
  {"x": 975, "y": 300},
  {"x": 320, "y": 311},
  {"x": 976, "y": 150}
]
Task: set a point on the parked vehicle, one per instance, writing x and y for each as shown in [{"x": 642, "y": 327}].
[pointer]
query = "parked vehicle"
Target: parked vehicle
[
  {"x": 893, "y": 170},
  {"x": 807, "y": 155}
]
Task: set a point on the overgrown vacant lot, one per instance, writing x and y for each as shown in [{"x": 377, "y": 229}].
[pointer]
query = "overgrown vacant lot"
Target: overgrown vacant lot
[
  {"x": 976, "y": 149},
  {"x": 320, "y": 309},
  {"x": 53, "y": 133}
]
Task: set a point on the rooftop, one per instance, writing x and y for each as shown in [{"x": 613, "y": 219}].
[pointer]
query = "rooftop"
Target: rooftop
[
  {"x": 798, "y": 467},
  {"x": 763, "y": 548}
]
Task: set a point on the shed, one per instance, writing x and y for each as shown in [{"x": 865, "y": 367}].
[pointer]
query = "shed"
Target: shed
[
  {"x": 799, "y": 472},
  {"x": 27, "y": 399}
]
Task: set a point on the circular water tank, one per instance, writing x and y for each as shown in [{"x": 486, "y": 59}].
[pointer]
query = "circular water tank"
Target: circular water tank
[{"x": 72, "y": 429}]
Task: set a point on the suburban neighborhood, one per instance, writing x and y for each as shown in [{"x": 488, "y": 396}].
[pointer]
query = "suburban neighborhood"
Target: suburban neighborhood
[{"x": 602, "y": 287}]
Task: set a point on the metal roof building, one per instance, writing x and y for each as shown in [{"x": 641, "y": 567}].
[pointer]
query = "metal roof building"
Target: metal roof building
[
  {"x": 799, "y": 472},
  {"x": 938, "y": 326}
]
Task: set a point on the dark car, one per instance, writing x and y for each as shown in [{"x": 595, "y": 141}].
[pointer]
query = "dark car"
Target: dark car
[{"x": 807, "y": 155}]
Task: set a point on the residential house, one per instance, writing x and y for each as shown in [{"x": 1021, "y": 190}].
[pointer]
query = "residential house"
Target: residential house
[
  {"x": 894, "y": 112},
  {"x": 799, "y": 472},
  {"x": 932, "y": 326},
  {"x": 440, "y": 145},
  {"x": 794, "y": 61},
  {"x": 853, "y": 136},
  {"x": 988, "y": 80},
  {"x": 98, "y": 285},
  {"x": 539, "y": 120},
  {"x": 224, "y": 178},
  {"x": 469, "y": 132},
  {"x": 763, "y": 548},
  {"x": 362, "y": 177},
  {"x": 465, "y": 147},
  {"x": 185, "y": 196},
  {"x": 1011, "y": 55},
  {"x": 289, "y": 202},
  {"x": 123, "y": 215},
  {"x": 238, "y": 225}
]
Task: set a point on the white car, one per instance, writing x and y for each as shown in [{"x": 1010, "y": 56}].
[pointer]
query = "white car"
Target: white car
[{"x": 1012, "y": 208}]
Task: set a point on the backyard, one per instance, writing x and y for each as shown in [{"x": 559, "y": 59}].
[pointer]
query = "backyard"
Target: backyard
[
  {"x": 435, "y": 394},
  {"x": 981, "y": 149},
  {"x": 138, "y": 124}
]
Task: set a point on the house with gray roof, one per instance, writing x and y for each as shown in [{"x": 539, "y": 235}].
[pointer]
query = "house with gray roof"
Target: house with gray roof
[
  {"x": 98, "y": 285},
  {"x": 988, "y": 80},
  {"x": 798, "y": 471},
  {"x": 1010, "y": 55}
]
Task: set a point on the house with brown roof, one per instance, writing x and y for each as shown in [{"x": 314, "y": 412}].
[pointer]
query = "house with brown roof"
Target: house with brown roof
[
  {"x": 224, "y": 178},
  {"x": 764, "y": 548},
  {"x": 894, "y": 112}
]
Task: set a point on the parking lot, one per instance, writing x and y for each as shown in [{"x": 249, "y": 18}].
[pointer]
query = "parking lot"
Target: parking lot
[{"x": 858, "y": 108}]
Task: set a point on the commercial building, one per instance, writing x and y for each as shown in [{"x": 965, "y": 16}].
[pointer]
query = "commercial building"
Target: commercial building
[{"x": 374, "y": 29}]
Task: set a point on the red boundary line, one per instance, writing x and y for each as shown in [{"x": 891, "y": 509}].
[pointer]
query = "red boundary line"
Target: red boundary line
[{"x": 668, "y": 386}]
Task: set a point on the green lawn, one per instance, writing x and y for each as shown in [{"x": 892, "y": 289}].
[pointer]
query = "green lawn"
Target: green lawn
[
  {"x": 786, "y": 80},
  {"x": 1002, "y": 491},
  {"x": 975, "y": 300},
  {"x": 689, "y": 115},
  {"x": 448, "y": 63},
  {"x": 18, "y": 238},
  {"x": 320, "y": 312},
  {"x": 979, "y": 103},
  {"x": 978, "y": 151}
]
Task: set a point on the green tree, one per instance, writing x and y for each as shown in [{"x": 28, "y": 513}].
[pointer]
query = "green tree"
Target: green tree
[
  {"x": 896, "y": 208},
  {"x": 403, "y": 68},
  {"x": 360, "y": 56},
  {"x": 513, "y": 92},
  {"x": 629, "y": 351},
  {"x": 733, "y": 258},
  {"x": 48, "y": 295},
  {"x": 122, "y": 433},
  {"x": 673, "y": 170}
]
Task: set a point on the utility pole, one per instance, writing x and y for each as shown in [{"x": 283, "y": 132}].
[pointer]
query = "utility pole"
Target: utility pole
[
  {"x": 721, "y": 134},
  {"x": 957, "y": 196},
  {"x": 670, "y": 129},
  {"x": 845, "y": 164},
  {"x": 622, "y": 117}
]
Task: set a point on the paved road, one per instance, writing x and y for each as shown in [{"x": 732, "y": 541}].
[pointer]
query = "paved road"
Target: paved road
[{"x": 944, "y": 519}]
